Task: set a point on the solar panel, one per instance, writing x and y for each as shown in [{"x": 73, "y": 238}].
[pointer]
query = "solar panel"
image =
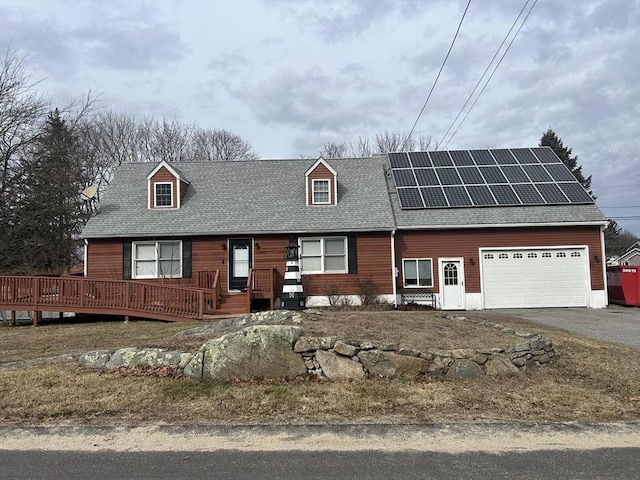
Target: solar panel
[
  {"x": 399, "y": 160},
  {"x": 515, "y": 174},
  {"x": 560, "y": 172},
  {"x": 482, "y": 157},
  {"x": 441, "y": 159},
  {"x": 461, "y": 158},
  {"x": 546, "y": 155},
  {"x": 524, "y": 155},
  {"x": 457, "y": 196},
  {"x": 552, "y": 193},
  {"x": 476, "y": 178},
  {"x": 537, "y": 173},
  {"x": 493, "y": 175},
  {"x": 575, "y": 192},
  {"x": 449, "y": 176},
  {"x": 434, "y": 197},
  {"x": 480, "y": 195},
  {"x": 504, "y": 195},
  {"x": 419, "y": 159},
  {"x": 404, "y": 177},
  {"x": 528, "y": 194},
  {"x": 410, "y": 198},
  {"x": 471, "y": 175},
  {"x": 426, "y": 176},
  {"x": 504, "y": 157}
]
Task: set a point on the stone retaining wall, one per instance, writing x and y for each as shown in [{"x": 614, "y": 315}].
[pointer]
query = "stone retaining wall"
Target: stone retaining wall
[{"x": 240, "y": 355}]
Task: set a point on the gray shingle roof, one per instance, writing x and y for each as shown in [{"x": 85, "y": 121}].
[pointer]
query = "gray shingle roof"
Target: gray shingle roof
[
  {"x": 268, "y": 196},
  {"x": 232, "y": 198}
]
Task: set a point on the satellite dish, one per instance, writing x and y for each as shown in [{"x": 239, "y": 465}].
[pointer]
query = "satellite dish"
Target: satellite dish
[{"x": 89, "y": 193}]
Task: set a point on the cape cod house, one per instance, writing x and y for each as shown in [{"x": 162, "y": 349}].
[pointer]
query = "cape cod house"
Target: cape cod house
[{"x": 472, "y": 229}]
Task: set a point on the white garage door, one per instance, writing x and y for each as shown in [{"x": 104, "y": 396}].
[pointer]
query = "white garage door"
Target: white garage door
[{"x": 535, "y": 278}]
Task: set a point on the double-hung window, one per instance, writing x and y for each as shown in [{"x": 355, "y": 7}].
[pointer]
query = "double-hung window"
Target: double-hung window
[
  {"x": 418, "y": 272},
  {"x": 157, "y": 259},
  {"x": 323, "y": 255},
  {"x": 321, "y": 193},
  {"x": 164, "y": 194}
]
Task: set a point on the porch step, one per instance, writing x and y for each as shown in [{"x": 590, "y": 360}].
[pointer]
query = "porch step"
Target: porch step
[{"x": 232, "y": 303}]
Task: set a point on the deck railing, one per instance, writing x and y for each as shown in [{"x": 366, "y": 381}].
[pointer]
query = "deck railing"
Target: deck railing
[
  {"x": 118, "y": 297},
  {"x": 261, "y": 284}
]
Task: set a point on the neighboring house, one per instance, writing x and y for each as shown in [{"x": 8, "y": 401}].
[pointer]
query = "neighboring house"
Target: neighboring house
[
  {"x": 631, "y": 256},
  {"x": 479, "y": 229}
]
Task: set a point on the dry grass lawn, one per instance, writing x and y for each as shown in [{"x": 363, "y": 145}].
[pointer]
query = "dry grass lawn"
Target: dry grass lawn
[{"x": 590, "y": 381}]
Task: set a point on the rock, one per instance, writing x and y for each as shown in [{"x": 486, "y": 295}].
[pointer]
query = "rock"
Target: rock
[
  {"x": 537, "y": 343},
  {"x": 437, "y": 367},
  {"x": 480, "y": 358},
  {"x": 260, "y": 351},
  {"x": 519, "y": 362},
  {"x": 345, "y": 349},
  {"x": 148, "y": 357},
  {"x": 389, "y": 347},
  {"x": 336, "y": 367},
  {"x": 95, "y": 359},
  {"x": 392, "y": 365},
  {"x": 226, "y": 325},
  {"x": 409, "y": 352},
  {"x": 367, "y": 346},
  {"x": 464, "y": 368},
  {"x": 309, "y": 344},
  {"x": 500, "y": 366},
  {"x": 296, "y": 319},
  {"x": 546, "y": 358},
  {"x": 463, "y": 353}
]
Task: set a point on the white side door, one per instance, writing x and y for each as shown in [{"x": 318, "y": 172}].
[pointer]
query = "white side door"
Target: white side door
[{"x": 451, "y": 283}]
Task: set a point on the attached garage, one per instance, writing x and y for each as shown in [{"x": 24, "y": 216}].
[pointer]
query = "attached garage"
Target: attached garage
[{"x": 535, "y": 277}]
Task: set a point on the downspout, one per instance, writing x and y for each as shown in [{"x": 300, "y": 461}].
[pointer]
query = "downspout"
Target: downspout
[
  {"x": 394, "y": 268},
  {"x": 603, "y": 258},
  {"x": 85, "y": 257}
]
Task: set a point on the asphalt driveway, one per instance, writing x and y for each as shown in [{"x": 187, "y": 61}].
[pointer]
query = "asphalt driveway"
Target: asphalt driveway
[{"x": 614, "y": 324}]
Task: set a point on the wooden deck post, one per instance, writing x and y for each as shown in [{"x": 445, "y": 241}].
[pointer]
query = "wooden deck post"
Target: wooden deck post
[
  {"x": 36, "y": 318},
  {"x": 13, "y": 318}
]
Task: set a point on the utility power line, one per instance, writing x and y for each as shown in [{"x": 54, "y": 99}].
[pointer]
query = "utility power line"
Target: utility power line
[
  {"x": 483, "y": 74},
  {"x": 492, "y": 73},
  {"x": 437, "y": 76}
]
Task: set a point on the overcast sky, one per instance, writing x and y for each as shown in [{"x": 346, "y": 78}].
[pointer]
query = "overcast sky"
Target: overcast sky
[{"x": 288, "y": 76}]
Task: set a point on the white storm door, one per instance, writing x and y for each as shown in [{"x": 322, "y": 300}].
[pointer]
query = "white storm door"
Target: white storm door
[{"x": 451, "y": 284}]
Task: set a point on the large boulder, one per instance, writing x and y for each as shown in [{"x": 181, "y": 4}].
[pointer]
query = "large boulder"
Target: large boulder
[
  {"x": 95, "y": 359},
  {"x": 336, "y": 367},
  {"x": 392, "y": 365},
  {"x": 261, "y": 351},
  {"x": 147, "y": 357}
]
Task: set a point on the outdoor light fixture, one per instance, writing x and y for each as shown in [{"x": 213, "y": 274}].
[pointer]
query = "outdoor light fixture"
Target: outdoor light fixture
[
  {"x": 224, "y": 246},
  {"x": 596, "y": 258},
  {"x": 472, "y": 261}
]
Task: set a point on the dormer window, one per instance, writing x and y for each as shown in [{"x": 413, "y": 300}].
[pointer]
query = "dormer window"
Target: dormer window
[
  {"x": 321, "y": 184},
  {"x": 164, "y": 194},
  {"x": 166, "y": 187},
  {"x": 321, "y": 192}
]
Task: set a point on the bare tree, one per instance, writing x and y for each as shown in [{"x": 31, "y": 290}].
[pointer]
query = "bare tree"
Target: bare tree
[
  {"x": 22, "y": 110},
  {"x": 171, "y": 141},
  {"x": 361, "y": 148},
  {"x": 333, "y": 150},
  {"x": 220, "y": 145}
]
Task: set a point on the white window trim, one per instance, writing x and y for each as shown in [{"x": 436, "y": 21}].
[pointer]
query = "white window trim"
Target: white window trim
[
  {"x": 157, "y": 260},
  {"x": 404, "y": 282},
  {"x": 322, "y": 255},
  {"x": 313, "y": 191},
  {"x": 155, "y": 195}
]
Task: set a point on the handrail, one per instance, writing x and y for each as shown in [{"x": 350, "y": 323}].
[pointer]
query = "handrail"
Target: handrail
[
  {"x": 260, "y": 284},
  {"x": 122, "y": 296}
]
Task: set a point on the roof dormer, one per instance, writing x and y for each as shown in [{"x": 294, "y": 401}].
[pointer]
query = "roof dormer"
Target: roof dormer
[
  {"x": 321, "y": 184},
  {"x": 166, "y": 187}
]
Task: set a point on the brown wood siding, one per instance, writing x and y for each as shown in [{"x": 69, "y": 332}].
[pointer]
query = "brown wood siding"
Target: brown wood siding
[
  {"x": 183, "y": 190},
  {"x": 163, "y": 176},
  {"x": 321, "y": 173},
  {"x": 104, "y": 260},
  {"x": 466, "y": 243}
]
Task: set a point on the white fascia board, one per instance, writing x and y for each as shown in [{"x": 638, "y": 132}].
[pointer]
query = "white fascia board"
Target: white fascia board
[{"x": 318, "y": 162}]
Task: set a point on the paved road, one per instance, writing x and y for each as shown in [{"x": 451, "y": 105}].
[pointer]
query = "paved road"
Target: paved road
[
  {"x": 614, "y": 324},
  {"x": 605, "y": 463}
]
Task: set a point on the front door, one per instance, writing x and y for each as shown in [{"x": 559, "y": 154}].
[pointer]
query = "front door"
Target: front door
[
  {"x": 452, "y": 284},
  {"x": 240, "y": 261}
]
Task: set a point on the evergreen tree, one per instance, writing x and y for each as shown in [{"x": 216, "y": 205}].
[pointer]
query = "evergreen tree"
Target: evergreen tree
[
  {"x": 48, "y": 213},
  {"x": 550, "y": 139}
]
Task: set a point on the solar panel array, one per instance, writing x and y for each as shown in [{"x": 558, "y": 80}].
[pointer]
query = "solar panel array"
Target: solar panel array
[{"x": 481, "y": 178}]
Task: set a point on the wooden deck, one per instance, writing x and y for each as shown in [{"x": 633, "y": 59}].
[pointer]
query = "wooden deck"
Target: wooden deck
[{"x": 134, "y": 298}]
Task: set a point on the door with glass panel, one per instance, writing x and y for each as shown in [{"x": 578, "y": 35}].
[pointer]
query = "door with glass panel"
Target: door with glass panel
[{"x": 240, "y": 261}]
